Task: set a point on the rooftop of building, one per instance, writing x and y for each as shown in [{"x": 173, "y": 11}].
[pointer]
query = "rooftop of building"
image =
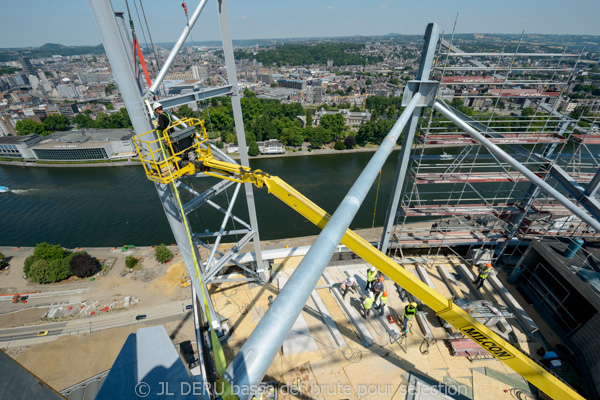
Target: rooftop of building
[{"x": 97, "y": 135}]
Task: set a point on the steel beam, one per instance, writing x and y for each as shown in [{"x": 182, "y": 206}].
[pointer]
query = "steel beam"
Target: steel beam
[
  {"x": 199, "y": 95},
  {"x": 432, "y": 34},
  {"x": 576, "y": 190},
  {"x": 239, "y": 127},
  {"x": 495, "y": 149},
  {"x": 592, "y": 187},
  {"x": 171, "y": 58},
  {"x": 256, "y": 355},
  {"x": 117, "y": 56}
]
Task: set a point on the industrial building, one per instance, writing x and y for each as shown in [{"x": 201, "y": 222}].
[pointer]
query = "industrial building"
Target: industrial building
[{"x": 86, "y": 144}]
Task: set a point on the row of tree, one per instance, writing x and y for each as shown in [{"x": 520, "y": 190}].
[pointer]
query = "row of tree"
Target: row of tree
[
  {"x": 51, "y": 263},
  {"x": 307, "y": 54},
  {"x": 54, "y": 123},
  {"x": 271, "y": 119}
]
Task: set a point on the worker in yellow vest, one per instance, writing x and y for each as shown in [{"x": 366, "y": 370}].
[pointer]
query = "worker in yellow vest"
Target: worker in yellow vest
[
  {"x": 368, "y": 304},
  {"x": 382, "y": 302},
  {"x": 409, "y": 311},
  {"x": 371, "y": 277},
  {"x": 484, "y": 271}
]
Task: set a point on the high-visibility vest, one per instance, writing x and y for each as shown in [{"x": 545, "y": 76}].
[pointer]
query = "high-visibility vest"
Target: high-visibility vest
[
  {"x": 484, "y": 272},
  {"x": 409, "y": 312},
  {"x": 368, "y": 303},
  {"x": 384, "y": 300},
  {"x": 371, "y": 276}
]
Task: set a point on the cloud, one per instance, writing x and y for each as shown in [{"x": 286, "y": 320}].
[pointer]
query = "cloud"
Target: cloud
[
  {"x": 330, "y": 7},
  {"x": 244, "y": 17},
  {"x": 385, "y": 4}
]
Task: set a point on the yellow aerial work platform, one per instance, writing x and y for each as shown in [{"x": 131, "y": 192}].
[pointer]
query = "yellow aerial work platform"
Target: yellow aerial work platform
[{"x": 164, "y": 162}]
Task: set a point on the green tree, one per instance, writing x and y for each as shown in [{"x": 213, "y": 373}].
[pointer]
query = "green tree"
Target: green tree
[
  {"x": 394, "y": 81},
  {"x": 59, "y": 270},
  {"x": 527, "y": 111},
  {"x": 339, "y": 145},
  {"x": 580, "y": 111},
  {"x": 186, "y": 111},
  {"x": 83, "y": 121},
  {"x": 1, "y": 256},
  {"x": 368, "y": 82},
  {"x": 54, "y": 123},
  {"x": 29, "y": 261},
  {"x": 27, "y": 126},
  {"x": 335, "y": 123},
  {"x": 131, "y": 261},
  {"x": 316, "y": 139},
  {"x": 49, "y": 252},
  {"x": 253, "y": 148},
  {"x": 40, "y": 272},
  {"x": 109, "y": 106},
  {"x": 162, "y": 253}
]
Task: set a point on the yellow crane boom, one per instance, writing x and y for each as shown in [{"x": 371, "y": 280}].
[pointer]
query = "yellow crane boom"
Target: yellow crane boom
[{"x": 444, "y": 308}]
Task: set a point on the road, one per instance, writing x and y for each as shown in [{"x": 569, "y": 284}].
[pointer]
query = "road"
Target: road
[{"x": 27, "y": 335}]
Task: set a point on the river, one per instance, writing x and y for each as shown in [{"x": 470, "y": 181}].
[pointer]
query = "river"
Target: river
[{"x": 113, "y": 206}]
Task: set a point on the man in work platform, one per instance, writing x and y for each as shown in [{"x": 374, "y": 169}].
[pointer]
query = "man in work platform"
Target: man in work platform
[
  {"x": 164, "y": 119},
  {"x": 484, "y": 271},
  {"x": 165, "y": 122},
  {"x": 368, "y": 304},
  {"x": 409, "y": 311},
  {"x": 371, "y": 277}
]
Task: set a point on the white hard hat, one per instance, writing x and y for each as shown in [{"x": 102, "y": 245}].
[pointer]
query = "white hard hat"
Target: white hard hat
[
  {"x": 156, "y": 105},
  {"x": 373, "y": 269},
  {"x": 371, "y": 295},
  {"x": 352, "y": 279}
]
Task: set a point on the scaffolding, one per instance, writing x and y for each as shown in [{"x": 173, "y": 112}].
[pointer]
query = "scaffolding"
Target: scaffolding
[{"x": 468, "y": 195}]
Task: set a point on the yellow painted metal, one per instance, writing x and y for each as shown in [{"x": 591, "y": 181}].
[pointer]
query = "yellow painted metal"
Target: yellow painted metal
[
  {"x": 164, "y": 169},
  {"x": 443, "y": 307}
]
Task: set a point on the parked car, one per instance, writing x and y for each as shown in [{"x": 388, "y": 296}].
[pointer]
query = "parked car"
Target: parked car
[
  {"x": 142, "y": 316},
  {"x": 42, "y": 333},
  {"x": 189, "y": 307}
]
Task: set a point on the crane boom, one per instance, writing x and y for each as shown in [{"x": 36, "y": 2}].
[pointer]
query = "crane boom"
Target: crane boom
[{"x": 443, "y": 308}]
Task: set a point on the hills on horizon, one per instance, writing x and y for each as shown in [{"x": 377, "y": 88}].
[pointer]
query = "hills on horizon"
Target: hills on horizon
[{"x": 573, "y": 42}]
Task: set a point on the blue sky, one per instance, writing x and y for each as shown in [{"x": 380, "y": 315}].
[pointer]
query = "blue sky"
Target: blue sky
[{"x": 70, "y": 22}]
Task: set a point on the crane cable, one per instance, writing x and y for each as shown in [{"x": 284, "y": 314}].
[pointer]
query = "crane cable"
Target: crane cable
[
  {"x": 158, "y": 67},
  {"x": 224, "y": 386},
  {"x": 137, "y": 50},
  {"x": 188, "y": 21},
  {"x": 376, "y": 197}
]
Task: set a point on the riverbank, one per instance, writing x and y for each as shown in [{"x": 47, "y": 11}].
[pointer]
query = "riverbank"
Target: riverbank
[{"x": 235, "y": 156}]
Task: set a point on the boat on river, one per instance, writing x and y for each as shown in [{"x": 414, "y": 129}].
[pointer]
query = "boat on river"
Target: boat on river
[{"x": 4, "y": 189}]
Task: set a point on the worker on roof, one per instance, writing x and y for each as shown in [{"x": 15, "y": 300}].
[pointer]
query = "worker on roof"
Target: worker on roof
[
  {"x": 349, "y": 283},
  {"x": 409, "y": 311},
  {"x": 484, "y": 271},
  {"x": 371, "y": 277},
  {"x": 378, "y": 288},
  {"x": 382, "y": 302},
  {"x": 368, "y": 304}
]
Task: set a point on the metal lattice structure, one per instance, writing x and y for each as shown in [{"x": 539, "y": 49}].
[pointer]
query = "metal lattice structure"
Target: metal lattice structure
[{"x": 468, "y": 195}]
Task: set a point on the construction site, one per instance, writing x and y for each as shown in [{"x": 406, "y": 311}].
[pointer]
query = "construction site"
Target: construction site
[{"x": 489, "y": 255}]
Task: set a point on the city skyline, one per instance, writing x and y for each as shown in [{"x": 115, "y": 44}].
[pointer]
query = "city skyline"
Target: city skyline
[{"x": 74, "y": 25}]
